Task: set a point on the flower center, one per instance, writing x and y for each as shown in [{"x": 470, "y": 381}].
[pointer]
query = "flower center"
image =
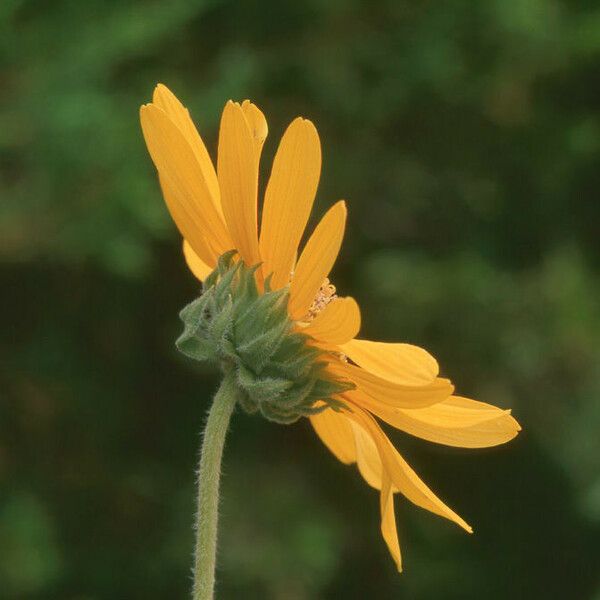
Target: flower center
[
  {"x": 325, "y": 295},
  {"x": 238, "y": 326}
]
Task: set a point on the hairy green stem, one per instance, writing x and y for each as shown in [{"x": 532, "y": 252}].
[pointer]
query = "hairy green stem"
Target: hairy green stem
[{"x": 209, "y": 474}]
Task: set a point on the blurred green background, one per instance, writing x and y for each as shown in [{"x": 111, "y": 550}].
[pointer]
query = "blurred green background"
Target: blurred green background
[{"x": 466, "y": 138}]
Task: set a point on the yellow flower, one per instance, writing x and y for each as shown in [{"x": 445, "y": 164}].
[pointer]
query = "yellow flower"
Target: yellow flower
[{"x": 216, "y": 211}]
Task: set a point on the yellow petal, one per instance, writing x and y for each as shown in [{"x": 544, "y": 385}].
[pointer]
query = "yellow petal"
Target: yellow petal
[
  {"x": 349, "y": 442},
  {"x": 289, "y": 198},
  {"x": 165, "y": 99},
  {"x": 450, "y": 423},
  {"x": 390, "y": 393},
  {"x": 389, "y": 531},
  {"x": 237, "y": 170},
  {"x": 403, "y": 478},
  {"x": 196, "y": 265},
  {"x": 258, "y": 126},
  {"x": 457, "y": 411},
  {"x": 178, "y": 168},
  {"x": 316, "y": 260},
  {"x": 337, "y": 323},
  {"x": 400, "y": 363},
  {"x": 196, "y": 240},
  {"x": 336, "y": 433},
  {"x": 370, "y": 467},
  {"x": 367, "y": 456}
]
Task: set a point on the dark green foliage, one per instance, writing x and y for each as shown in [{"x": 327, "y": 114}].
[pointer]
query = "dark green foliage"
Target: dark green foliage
[{"x": 233, "y": 326}]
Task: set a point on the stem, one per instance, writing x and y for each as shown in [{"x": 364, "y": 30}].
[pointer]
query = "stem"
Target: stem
[{"x": 208, "y": 487}]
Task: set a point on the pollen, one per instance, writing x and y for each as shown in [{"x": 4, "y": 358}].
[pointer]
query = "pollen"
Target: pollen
[{"x": 325, "y": 295}]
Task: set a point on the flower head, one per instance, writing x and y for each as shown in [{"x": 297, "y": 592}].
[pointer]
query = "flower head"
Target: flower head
[{"x": 270, "y": 312}]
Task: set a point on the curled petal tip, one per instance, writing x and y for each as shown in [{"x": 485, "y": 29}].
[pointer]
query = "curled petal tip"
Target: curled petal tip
[
  {"x": 342, "y": 205},
  {"x": 160, "y": 89}
]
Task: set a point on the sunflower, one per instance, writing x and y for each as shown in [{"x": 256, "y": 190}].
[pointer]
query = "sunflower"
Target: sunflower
[{"x": 397, "y": 383}]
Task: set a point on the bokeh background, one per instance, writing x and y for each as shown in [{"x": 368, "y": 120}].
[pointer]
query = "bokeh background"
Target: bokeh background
[{"x": 466, "y": 138}]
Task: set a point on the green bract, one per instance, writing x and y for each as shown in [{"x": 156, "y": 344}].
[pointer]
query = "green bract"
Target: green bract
[{"x": 234, "y": 326}]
